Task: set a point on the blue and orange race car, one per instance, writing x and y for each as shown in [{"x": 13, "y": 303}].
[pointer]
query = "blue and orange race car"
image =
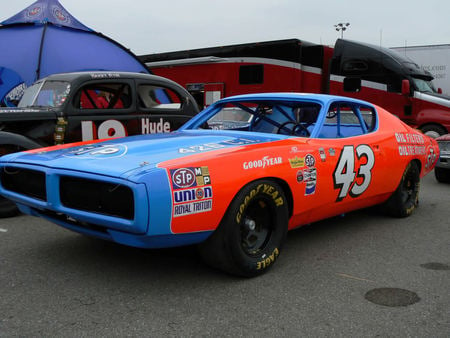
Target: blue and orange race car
[{"x": 234, "y": 179}]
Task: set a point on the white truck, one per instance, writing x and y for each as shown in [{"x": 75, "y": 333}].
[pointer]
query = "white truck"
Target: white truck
[{"x": 432, "y": 58}]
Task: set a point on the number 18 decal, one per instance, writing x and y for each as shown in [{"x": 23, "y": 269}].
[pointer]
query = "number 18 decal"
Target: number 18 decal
[{"x": 345, "y": 178}]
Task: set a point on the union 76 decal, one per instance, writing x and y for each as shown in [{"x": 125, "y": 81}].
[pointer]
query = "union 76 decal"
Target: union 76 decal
[{"x": 345, "y": 178}]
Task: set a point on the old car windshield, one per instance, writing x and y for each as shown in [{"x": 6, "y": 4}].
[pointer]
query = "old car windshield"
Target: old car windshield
[
  {"x": 424, "y": 86},
  {"x": 287, "y": 118},
  {"x": 45, "y": 94}
]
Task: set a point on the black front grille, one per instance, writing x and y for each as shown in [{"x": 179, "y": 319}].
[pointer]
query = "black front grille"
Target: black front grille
[
  {"x": 97, "y": 196},
  {"x": 24, "y": 181}
]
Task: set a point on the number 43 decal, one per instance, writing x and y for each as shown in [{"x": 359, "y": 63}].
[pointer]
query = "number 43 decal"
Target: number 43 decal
[{"x": 345, "y": 178}]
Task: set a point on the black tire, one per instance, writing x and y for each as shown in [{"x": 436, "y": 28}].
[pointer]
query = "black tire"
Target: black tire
[
  {"x": 442, "y": 175},
  {"x": 251, "y": 234},
  {"x": 433, "y": 130},
  {"x": 7, "y": 208},
  {"x": 405, "y": 199}
]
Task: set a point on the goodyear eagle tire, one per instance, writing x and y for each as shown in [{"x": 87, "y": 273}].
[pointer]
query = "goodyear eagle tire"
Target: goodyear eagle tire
[
  {"x": 405, "y": 199},
  {"x": 251, "y": 234}
]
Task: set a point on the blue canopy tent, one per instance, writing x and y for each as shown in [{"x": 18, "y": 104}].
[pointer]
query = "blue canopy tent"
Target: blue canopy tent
[{"x": 44, "y": 39}]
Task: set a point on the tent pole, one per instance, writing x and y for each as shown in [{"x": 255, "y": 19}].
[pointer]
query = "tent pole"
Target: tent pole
[{"x": 38, "y": 70}]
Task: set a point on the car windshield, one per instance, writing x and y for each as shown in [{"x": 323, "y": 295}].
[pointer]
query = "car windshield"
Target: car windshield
[
  {"x": 276, "y": 117},
  {"x": 424, "y": 86},
  {"x": 45, "y": 94}
]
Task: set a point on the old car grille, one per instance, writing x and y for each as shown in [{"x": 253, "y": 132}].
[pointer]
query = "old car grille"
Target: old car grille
[
  {"x": 27, "y": 182},
  {"x": 97, "y": 196}
]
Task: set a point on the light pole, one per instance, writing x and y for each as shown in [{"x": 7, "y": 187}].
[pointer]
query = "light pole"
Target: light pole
[{"x": 342, "y": 27}]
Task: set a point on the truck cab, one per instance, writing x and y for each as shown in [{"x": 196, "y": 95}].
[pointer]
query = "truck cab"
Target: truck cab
[{"x": 391, "y": 80}]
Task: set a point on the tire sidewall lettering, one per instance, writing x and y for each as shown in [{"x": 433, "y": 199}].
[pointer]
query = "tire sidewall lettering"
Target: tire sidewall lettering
[
  {"x": 271, "y": 251},
  {"x": 266, "y": 189}
]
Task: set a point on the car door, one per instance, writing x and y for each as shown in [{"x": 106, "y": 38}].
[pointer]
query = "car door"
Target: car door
[
  {"x": 101, "y": 109},
  {"x": 347, "y": 166}
]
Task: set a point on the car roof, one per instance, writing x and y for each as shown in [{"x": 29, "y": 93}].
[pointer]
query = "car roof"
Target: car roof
[
  {"x": 92, "y": 75},
  {"x": 323, "y": 98}
]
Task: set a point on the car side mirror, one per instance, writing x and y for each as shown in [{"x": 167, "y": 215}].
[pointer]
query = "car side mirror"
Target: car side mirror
[
  {"x": 406, "y": 89},
  {"x": 439, "y": 90}
]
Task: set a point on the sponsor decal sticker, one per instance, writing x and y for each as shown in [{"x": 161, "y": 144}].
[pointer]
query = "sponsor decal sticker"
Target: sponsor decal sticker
[
  {"x": 310, "y": 161},
  {"x": 149, "y": 127},
  {"x": 104, "y": 75},
  {"x": 322, "y": 154},
  {"x": 98, "y": 151},
  {"x": 409, "y": 138},
  {"x": 332, "y": 152},
  {"x": 410, "y": 144},
  {"x": 297, "y": 162},
  {"x": 189, "y": 177},
  {"x": 192, "y": 208},
  {"x": 192, "y": 192},
  {"x": 214, "y": 146},
  {"x": 431, "y": 158},
  {"x": 310, "y": 178},
  {"x": 266, "y": 161},
  {"x": 300, "y": 176}
]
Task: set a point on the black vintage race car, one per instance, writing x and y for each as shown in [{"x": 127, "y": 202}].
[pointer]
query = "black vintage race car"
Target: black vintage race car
[{"x": 85, "y": 106}]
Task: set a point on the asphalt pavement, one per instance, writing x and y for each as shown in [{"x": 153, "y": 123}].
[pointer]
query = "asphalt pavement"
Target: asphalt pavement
[{"x": 361, "y": 275}]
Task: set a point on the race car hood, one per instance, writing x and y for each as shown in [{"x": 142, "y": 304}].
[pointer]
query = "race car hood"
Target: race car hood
[{"x": 124, "y": 157}]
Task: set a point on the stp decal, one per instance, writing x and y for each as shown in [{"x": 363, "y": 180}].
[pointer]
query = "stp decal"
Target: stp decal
[
  {"x": 98, "y": 151},
  {"x": 345, "y": 178},
  {"x": 310, "y": 161},
  {"x": 189, "y": 177}
]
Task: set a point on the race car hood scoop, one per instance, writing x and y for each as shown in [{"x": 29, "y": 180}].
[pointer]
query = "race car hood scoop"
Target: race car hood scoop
[{"x": 123, "y": 157}]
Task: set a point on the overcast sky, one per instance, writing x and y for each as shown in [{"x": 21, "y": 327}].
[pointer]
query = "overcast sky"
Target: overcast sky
[{"x": 147, "y": 26}]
